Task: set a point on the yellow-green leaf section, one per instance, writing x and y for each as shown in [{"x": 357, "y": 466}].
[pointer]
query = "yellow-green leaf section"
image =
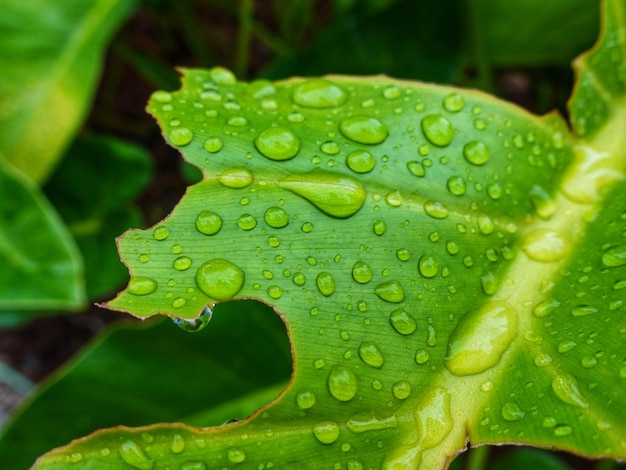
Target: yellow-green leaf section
[{"x": 451, "y": 268}]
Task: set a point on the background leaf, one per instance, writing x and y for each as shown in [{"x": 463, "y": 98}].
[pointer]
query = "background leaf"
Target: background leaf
[
  {"x": 51, "y": 55},
  {"x": 133, "y": 374}
]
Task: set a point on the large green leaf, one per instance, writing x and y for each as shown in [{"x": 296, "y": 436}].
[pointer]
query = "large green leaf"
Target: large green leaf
[
  {"x": 51, "y": 54},
  {"x": 103, "y": 386},
  {"x": 451, "y": 269},
  {"x": 41, "y": 267}
]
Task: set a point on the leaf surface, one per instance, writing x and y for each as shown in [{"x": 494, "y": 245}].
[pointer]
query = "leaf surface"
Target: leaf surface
[
  {"x": 41, "y": 267},
  {"x": 51, "y": 57},
  {"x": 451, "y": 268}
]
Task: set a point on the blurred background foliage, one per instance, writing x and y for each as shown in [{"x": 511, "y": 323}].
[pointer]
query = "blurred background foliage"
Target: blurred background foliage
[{"x": 81, "y": 161}]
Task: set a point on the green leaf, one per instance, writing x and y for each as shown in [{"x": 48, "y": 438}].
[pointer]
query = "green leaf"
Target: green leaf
[
  {"x": 41, "y": 267},
  {"x": 133, "y": 375},
  {"x": 80, "y": 189},
  {"x": 51, "y": 55},
  {"x": 451, "y": 268}
]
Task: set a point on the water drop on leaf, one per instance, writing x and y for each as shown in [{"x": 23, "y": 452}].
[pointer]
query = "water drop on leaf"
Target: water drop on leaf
[
  {"x": 325, "y": 283},
  {"x": 134, "y": 455},
  {"x": 454, "y": 102},
  {"x": 546, "y": 245},
  {"x": 220, "y": 279},
  {"x": 208, "y": 223},
  {"x": 615, "y": 256},
  {"x": 160, "y": 233},
  {"x": 319, "y": 93},
  {"x": 277, "y": 143},
  {"x": 566, "y": 388},
  {"x": 305, "y": 399},
  {"x": 236, "y": 178},
  {"x": 139, "y": 285},
  {"x": 236, "y": 455},
  {"x": 180, "y": 136},
  {"x": 361, "y": 272},
  {"x": 212, "y": 144},
  {"x": 437, "y": 129},
  {"x": 364, "y": 130},
  {"x": 512, "y": 412},
  {"x": 276, "y": 217},
  {"x": 402, "y": 322},
  {"x": 342, "y": 383},
  {"x": 326, "y": 432},
  {"x": 476, "y": 153},
  {"x": 390, "y": 291},
  {"x": 371, "y": 354},
  {"x": 360, "y": 161}
]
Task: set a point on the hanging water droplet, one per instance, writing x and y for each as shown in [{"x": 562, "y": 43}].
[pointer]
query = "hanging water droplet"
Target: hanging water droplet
[
  {"x": 437, "y": 129},
  {"x": 161, "y": 233},
  {"x": 364, "y": 130},
  {"x": 371, "y": 354},
  {"x": 360, "y": 161},
  {"x": 276, "y": 217},
  {"x": 476, "y": 152},
  {"x": 325, "y": 283},
  {"x": 480, "y": 338},
  {"x": 334, "y": 194},
  {"x": 436, "y": 209},
  {"x": 195, "y": 324},
  {"x": 454, "y": 102},
  {"x": 390, "y": 291},
  {"x": 139, "y": 285},
  {"x": 220, "y": 279},
  {"x": 208, "y": 222},
  {"x": 236, "y": 178},
  {"x": 319, "y": 93},
  {"x": 361, "y": 272},
  {"x": 402, "y": 322},
  {"x": 134, "y": 455},
  {"x": 512, "y": 412},
  {"x": 546, "y": 245},
  {"x": 614, "y": 256},
  {"x": 180, "y": 136},
  {"x": 428, "y": 266},
  {"x": 566, "y": 388},
  {"x": 326, "y": 432},
  {"x": 277, "y": 143},
  {"x": 246, "y": 222},
  {"x": 342, "y": 383},
  {"x": 305, "y": 399}
]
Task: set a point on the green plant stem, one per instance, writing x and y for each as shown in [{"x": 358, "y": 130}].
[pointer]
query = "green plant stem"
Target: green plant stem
[
  {"x": 246, "y": 11},
  {"x": 481, "y": 60},
  {"x": 477, "y": 458}
]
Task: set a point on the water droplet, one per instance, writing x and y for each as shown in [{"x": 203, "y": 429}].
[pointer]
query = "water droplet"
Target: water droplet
[
  {"x": 193, "y": 466},
  {"x": 325, "y": 283},
  {"x": 295, "y": 117},
  {"x": 178, "y": 444},
  {"x": 160, "y": 233},
  {"x": 208, "y": 222},
  {"x": 162, "y": 96},
  {"x": 361, "y": 272},
  {"x": 401, "y": 389},
  {"x": 485, "y": 224},
  {"x": 437, "y": 129},
  {"x": 134, "y": 455},
  {"x": 371, "y": 354},
  {"x": 326, "y": 432},
  {"x": 246, "y": 222},
  {"x": 220, "y": 279},
  {"x": 236, "y": 178},
  {"x": 299, "y": 279},
  {"x": 434, "y": 419},
  {"x": 566, "y": 388},
  {"x": 319, "y": 93},
  {"x": 562, "y": 430},
  {"x": 379, "y": 227},
  {"x": 335, "y": 194},
  {"x": 584, "y": 310},
  {"x": 195, "y": 324},
  {"x": 421, "y": 356},
  {"x": 428, "y": 266},
  {"x": 615, "y": 256},
  {"x": 305, "y": 399},
  {"x": 330, "y": 148},
  {"x": 476, "y": 153},
  {"x": 391, "y": 92},
  {"x": 543, "y": 360},
  {"x": 236, "y": 455},
  {"x": 360, "y": 161},
  {"x": 565, "y": 346},
  {"x": 276, "y": 217},
  {"x": 545, "y": 307},
  {"x": 223, "y": 76},
  {"x": 416, "y": 168},
  {"x": 182, "y": 263},
  {"x": 588, "y": 362},
  {"x": 454, "y": 102},
  {"x": 394, "y": 198},
  {"x": 390, "y": 291},
  {"x": 180, "y": 136},
  {"x": 342, "y": 383},
  {"x": 542, "y": 202},
  {"x": 369, "y": 422},
  {"x": 277, "y": 143},
  {"x": 480, "y": 338},
  {"x": 456, "y": 185},
  {"x": 546, "y": 245},
  {"x": 402, "y": 322},
  {"x": 237, "y": 121},
  {"x": 436, "y": 209},
  {"x": 488, "y": 283},
  {"x": 512, "y": 412},
  {"x": 364, "y": 130},
  {"x": 275, "y": 292},
  {"x": 403, "y": 254},
  {"x": 139, "y": 285}
]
